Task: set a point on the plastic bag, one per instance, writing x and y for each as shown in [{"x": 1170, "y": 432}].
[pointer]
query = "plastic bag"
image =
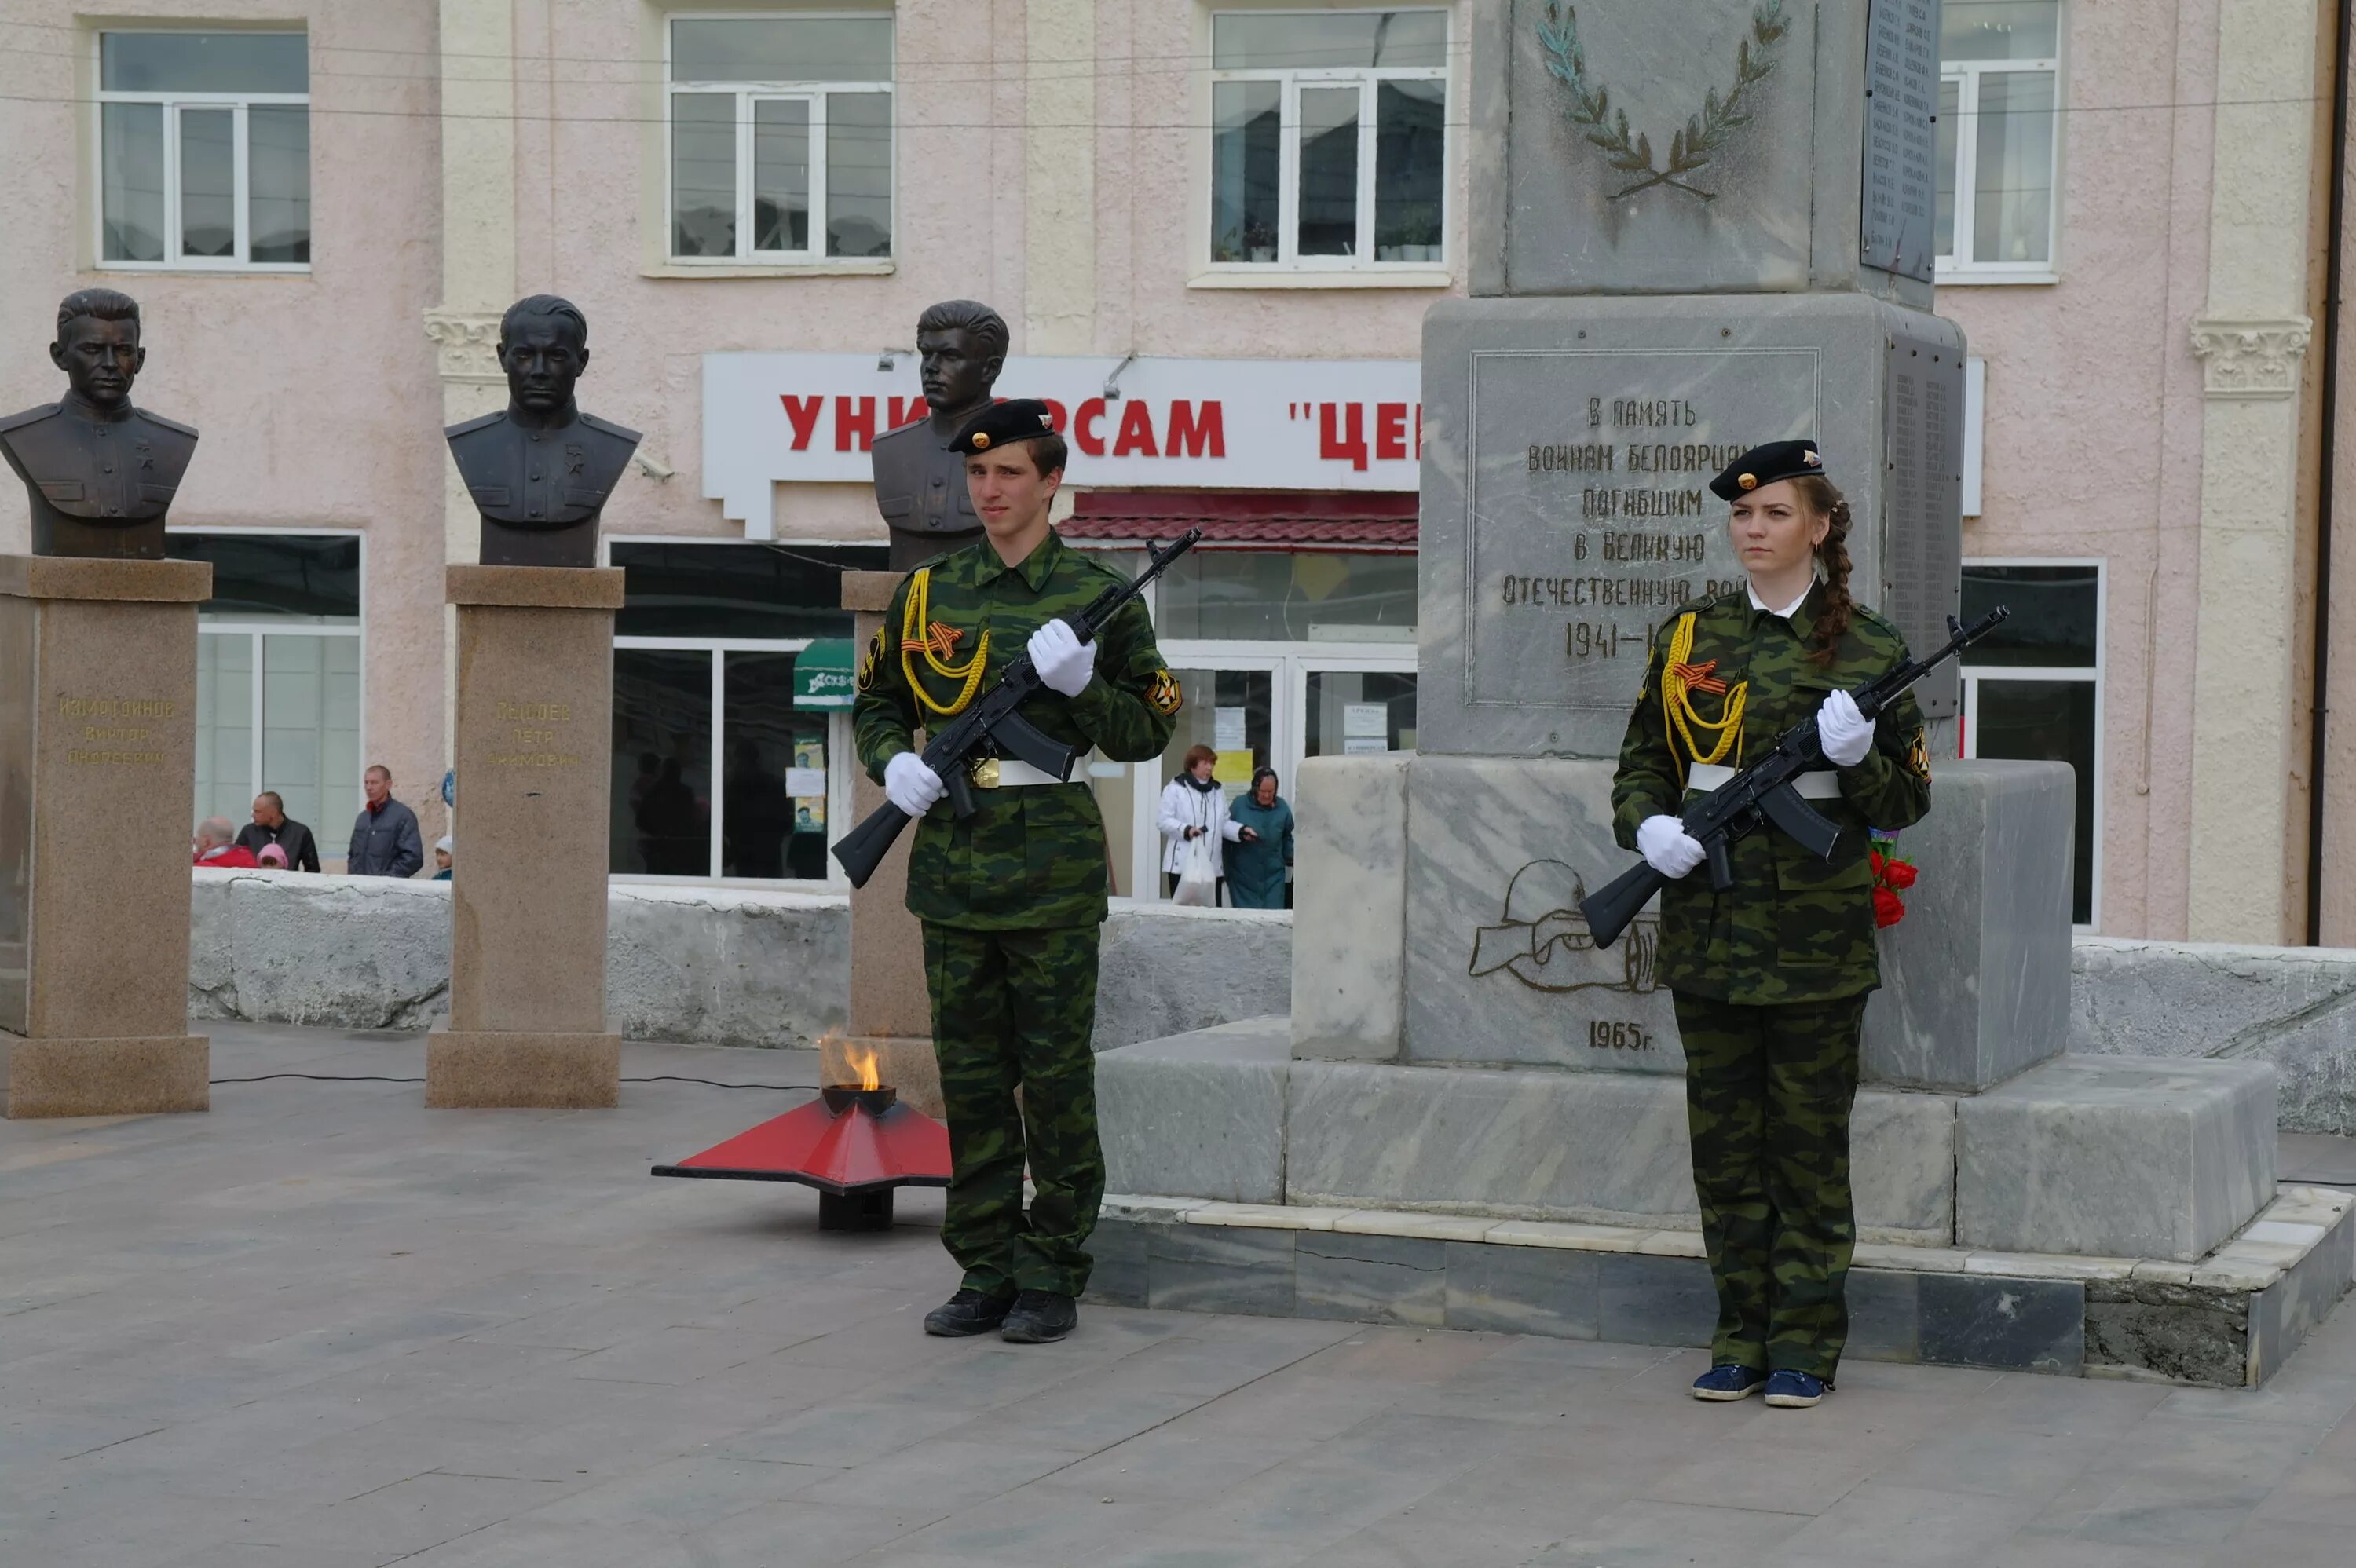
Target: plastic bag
[{"x": 1198, "y": 875}]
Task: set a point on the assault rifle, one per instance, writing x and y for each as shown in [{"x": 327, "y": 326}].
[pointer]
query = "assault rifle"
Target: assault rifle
[
  {"x": 1762, "y": 792},
  {"x": 992, "y": 727}
]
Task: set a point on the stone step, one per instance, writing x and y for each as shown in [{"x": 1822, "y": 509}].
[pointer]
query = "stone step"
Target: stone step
[{"x": 2228, "y": 1320}]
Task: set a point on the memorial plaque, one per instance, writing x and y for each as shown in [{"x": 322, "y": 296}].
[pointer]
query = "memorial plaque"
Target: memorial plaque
[
  {"x": 1921, "y": 513},
  {"x": 1592, "y": 513},
  {"x": 1898, "y": 192},
  {"x": 1569, "y": 446}
]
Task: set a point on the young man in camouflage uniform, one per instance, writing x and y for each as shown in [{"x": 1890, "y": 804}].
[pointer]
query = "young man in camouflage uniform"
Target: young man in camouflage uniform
[
  {"x": 1770, "y": 978},
  {"x": 1012, "y": 897}
]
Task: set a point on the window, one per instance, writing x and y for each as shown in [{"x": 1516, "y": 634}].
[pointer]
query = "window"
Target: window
[
  {"x": 728, "y": 756},
  {"x": 204, "y": 149},
  {"x": 2033, "y": 689},
  {"x": 1329, "y": 139},
  {"x": 780, "y": 137},
  {"x": 1319, "y": 596},
  {"x": 278, "y": 677},
  {"x": 1999, "y": 137}
]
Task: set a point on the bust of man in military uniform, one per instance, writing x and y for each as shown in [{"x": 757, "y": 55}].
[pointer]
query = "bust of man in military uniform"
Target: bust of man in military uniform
[
  {"x": 540, "y": 469},
  {"x": 100, "y": 474},
  {"x": 919, "y": 482}
]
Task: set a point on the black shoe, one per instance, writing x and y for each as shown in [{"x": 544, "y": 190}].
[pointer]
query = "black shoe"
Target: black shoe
[
  {"x": 1040, "y": 1316},
  {"x": 967, "y": 1313}
]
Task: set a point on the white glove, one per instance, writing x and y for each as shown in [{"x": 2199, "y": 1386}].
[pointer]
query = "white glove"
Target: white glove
[
  {"x": 912, "y": 787},
  {"x": 1065, "y": 664},
  {"x": 1667, "y": 847},
  {"x": 1848, "y": 734}
]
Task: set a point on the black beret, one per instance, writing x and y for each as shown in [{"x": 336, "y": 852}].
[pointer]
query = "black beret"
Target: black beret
[
  {"x": 1766, "y": 464},
  {"x": 1017, "y": 419}
]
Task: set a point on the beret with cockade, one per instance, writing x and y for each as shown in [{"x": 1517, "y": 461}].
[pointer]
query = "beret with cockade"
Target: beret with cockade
[
  {"x": 1017, "y": 419},
  {"x": 1766, "y": 464}
]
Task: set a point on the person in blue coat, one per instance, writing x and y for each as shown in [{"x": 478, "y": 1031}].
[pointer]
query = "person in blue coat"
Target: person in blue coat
[{"x": 1263, "y": 851}]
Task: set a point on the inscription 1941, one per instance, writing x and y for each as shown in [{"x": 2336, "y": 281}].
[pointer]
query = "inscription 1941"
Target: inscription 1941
[{"x": 1593, "y": 516}]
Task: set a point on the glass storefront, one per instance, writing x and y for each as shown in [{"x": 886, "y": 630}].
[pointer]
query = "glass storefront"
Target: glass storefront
[
  {"x": 278, "y": 677},
  {"x": 722, "y": 767}
]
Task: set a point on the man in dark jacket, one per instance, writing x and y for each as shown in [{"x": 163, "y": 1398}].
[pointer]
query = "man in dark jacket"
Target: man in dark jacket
[
  {"x": 384, "y": 835},
  {"x": 271, "y": 824}
]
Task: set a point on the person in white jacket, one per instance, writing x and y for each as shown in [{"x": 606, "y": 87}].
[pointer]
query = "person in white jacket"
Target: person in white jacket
[{"x": 1193, "y": 807}]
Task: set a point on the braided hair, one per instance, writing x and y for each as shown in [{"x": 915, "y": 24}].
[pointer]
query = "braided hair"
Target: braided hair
[{"x": 1823, "y": 496}]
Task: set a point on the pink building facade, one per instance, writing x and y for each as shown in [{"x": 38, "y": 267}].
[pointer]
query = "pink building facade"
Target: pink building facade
[{"x": 324, "y": 205}]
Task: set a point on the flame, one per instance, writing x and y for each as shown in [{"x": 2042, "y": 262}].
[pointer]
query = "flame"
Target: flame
[{"x": 862, "y": 1059}]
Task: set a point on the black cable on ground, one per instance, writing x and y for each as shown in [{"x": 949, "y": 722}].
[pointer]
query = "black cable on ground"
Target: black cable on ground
[{"x": 370, "y": 1078}]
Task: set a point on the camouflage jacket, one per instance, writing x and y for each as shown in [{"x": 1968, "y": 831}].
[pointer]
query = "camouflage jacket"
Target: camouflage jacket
[
  {"x": 1793, "y": 928},
  {"x": 1031, "y": 856}
]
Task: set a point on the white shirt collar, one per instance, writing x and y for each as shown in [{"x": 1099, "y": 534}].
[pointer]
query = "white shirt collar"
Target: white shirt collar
[{"x": 1788, "y": 610}]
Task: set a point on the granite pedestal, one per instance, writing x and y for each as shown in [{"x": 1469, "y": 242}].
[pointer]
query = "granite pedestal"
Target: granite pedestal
[
  {"x": 98, "y": 706},
  {"x": 528, "y": 1025},
  {"x": 890, "y": 1012}
]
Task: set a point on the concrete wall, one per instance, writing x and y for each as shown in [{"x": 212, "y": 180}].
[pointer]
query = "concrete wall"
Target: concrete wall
[{"x": 704, "y": 965}]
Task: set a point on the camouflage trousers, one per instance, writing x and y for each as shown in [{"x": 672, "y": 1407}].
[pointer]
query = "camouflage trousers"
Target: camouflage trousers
[
  {"x": 1768, "y": 1092},
  {"x": 1017, "y": 1010}
]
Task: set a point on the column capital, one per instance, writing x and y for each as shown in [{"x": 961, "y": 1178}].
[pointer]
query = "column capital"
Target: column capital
[
  {"x": 2258, "y": 358},
  {"x": 468, "y": 345}
]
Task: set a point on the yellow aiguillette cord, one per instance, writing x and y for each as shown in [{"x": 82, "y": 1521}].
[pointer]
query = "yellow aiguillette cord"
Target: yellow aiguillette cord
[
  {"x": 1677, "y": 708},
  {"x": 913, "y": 640}
]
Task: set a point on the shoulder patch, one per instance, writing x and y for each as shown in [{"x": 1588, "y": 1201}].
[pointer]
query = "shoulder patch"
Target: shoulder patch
[
  {"x": 483, "y": 421},
  {"x": 1164, "y": 695},
  {"x": 873, "y": 661},
  {"x": 26, "y": 416},
  {"x": 1918, "y": 755},
  {"x": 152, "y": 417},
  {"x": 609, "y": 428}
]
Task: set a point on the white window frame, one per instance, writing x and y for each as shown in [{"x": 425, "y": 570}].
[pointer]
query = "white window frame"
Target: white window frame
[
  {"x": 1966, "y": 76},
  {"x": 173, "y": 104},
  {"x": 839, "y": 740},
  {"x": 814, "y": 94},
  {"x": 1368, "y": 79},
  {"x": 258, "y": 629},
  {"x": 1974, "y": 674}
]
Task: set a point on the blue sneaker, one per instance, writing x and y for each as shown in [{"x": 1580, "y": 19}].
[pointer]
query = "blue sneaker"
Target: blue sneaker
[
  {"x": 1728, "y": 1383},
  {"x": 1794, "y": 1391}
]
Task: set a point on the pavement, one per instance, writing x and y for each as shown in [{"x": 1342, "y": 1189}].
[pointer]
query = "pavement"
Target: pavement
[{"x": 325, "y": 1327}]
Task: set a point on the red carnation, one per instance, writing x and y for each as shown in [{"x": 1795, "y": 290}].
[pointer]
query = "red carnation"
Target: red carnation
[
  {"x": 1873, "y": 858},
  {"x": 1899, "y": 874},
  {"x": 1888, "y": 910}
]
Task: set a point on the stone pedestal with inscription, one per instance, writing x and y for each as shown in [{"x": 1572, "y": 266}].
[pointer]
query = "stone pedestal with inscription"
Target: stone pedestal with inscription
[
  {"x": 98, "y": 708},
  {"x": 1683, "y": 242},
  {"x": 527, "y": 1024},
  {"x": 891, "y": 1013}
]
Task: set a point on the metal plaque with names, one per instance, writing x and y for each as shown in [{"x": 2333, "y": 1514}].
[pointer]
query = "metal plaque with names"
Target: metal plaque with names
[
  {"x": 1922, "y": 552},
  {"x": 1902, "y": 104},
  {"x": 1591, "y": 512}
]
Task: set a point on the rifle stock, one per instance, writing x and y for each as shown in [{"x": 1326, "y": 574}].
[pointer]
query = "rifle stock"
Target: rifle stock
[
  {"x": 1609, "y": 911},
  {"x": 861, "y": 850}
]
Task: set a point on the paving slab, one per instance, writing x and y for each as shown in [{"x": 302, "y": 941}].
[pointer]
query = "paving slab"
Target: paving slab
[{"x": 323, "y": 1327}]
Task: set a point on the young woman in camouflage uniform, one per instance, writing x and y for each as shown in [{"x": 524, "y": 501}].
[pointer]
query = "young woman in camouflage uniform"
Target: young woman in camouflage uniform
[
  {"x": 1770, "y": 978},
  {"x": 1011, "y": 898}
]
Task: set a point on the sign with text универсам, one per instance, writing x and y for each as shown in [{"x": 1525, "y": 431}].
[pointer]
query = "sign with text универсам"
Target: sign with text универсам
[
  {"x": 1255, "y": 424},
  {"x": 1591, "y": 511},
  {"x": 1901, "y": 97}
]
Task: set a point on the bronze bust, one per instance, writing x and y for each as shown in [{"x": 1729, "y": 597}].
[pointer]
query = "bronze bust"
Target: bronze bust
[
  {"x": 99, "y": 472},
  {"x": 540, "y": 470},
  {"x": 919, "y": 482}
]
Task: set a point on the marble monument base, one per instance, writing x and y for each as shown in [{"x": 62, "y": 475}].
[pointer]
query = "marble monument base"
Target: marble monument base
[
  {"x": 105, "y": 1077},
  {"x": 534, "y": 722},
  {"x": 522, "y": 1068},
  {"x": 98, "y": 698}
]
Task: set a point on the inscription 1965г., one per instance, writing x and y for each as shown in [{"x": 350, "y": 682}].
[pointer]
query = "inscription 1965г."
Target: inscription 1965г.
[
  {"x": 111, "y": 729},
  {"x": 535, "y": 734}
]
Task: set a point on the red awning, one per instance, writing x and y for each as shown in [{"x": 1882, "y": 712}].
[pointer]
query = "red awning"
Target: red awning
[{"x": 1250, "y": 519}]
